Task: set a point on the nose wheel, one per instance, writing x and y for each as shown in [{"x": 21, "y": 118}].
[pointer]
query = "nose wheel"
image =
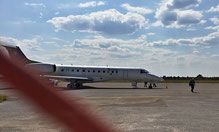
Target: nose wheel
[{"x": 150, "y": 86}]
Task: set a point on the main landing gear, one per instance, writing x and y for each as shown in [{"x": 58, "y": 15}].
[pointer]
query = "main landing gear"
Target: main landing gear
[{"x": 74, "y": 85}]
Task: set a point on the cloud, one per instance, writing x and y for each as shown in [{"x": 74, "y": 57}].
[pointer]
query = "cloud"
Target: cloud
[
  {"x": 35, "y": 4},
  {"x": 41, "y": 15},
  {"x": 213, "y": 27},
  {"x": 65, "y": 6},
  {"x": 179, "y": 4},
  {"x": 8, "y": 41},
  {"x": 190, "y": 29},
  {"x": 109, "y": 22},
  {"x": 168, "y": 17},
  {"x": 57, "y": 13},
  {"x": 176, "y": 13},
  {"x": 150, "y": 34},
  {"x": 209, "y": 40},
  {"x": 28, "y": 21},
  {"x": 215, "y": 20},
  {"x": 27, "y": 44},
  {"x": 189, "y": 17},
  {"x": 214, "y": 9},
  {"x": 100, "y": 42},
  {"x": 91, "y": 4},
  {"x": 139, "y": 10}
]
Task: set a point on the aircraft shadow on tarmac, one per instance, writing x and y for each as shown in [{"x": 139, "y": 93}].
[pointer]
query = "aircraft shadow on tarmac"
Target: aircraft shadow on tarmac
[
  {"x": 89, "y": 87},
  {"x": 108, "y": 88},
  {"x": 196, "y": 92}
]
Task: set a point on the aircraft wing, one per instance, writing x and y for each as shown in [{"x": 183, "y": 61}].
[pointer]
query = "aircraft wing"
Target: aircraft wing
[{"x": 68, "y": 78}]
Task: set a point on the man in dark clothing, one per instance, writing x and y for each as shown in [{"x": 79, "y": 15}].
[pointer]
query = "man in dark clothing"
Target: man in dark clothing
[{"x": 192, "y": 84}]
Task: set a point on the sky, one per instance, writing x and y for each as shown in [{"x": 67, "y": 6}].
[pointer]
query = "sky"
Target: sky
[{"x": 166, "y": 37}]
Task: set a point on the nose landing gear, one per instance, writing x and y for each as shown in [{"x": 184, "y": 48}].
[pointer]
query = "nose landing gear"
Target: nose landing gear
[{"x": 150, "y": 86}]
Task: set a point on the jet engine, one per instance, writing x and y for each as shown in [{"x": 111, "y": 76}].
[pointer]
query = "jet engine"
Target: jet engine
[{"x": 44, "y": 68}]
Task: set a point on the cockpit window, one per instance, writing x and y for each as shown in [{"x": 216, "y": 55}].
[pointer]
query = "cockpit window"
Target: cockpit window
[{"x": 143, "y": 71}]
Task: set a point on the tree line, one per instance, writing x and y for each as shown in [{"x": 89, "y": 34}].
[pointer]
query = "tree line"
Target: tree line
[{"x": 198, "y": 77}]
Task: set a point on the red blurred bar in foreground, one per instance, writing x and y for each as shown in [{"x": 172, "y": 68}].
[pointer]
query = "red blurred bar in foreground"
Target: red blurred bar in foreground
[{"x": 73, "y": 115}]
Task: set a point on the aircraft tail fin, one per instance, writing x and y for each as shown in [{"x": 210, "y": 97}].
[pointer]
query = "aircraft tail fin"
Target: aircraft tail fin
[{"x": 15, "y": 52}]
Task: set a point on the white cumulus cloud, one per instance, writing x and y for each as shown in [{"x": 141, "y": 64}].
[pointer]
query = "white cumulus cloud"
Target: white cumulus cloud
[
  {"x": 179, "y": 4},
  {"x": 215, "y": 20},
  {"x": 108, "y": 22},
  {"x": 139, "y": 10},
  {"x": 188, "y": 17},
  {"x": 28, "y": 44},
  {"x": 177, "y": 13},
  {"x": 91, "y": 4},
  {"x": 214, "y": 9},
  {"x": 35, "y": 4},
  {"x": 209, "y": 40}
]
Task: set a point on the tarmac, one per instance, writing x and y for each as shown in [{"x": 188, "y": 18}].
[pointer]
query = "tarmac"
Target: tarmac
[{"x": 161, "y": 109}]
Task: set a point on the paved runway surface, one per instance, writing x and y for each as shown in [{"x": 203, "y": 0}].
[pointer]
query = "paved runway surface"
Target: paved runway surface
[{"x": 175, "y": 109}]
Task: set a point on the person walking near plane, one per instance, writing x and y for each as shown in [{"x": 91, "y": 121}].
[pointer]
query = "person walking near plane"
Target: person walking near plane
[{"x": 192, "y": 84}]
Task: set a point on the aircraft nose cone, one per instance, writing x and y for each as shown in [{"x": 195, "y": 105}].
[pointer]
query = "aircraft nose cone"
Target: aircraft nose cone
[
  {"x": 154, "y": 78},
  {"x": 161, "y": 79}
]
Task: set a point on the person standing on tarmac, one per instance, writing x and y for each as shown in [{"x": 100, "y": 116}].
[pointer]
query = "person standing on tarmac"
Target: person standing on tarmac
[{"x": 192, "y": 84}]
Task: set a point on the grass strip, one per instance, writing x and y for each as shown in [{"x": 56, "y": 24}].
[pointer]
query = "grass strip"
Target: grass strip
[{"x": 3, "y": 98}]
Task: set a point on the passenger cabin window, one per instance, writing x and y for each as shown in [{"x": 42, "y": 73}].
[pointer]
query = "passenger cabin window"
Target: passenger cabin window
[
  {"x": 103, "y": 71},
  {"x": 112, "y": 71},
  {"x": 77, "y": 70},
  {"x": 83, "y": 70},
  {"x": 72, "y": 70},
  {"x": 116, "y": 71},
  {"x": 62, "y": 70},
  {"x": 93, "y": 70},
  {"x": 88, "y": 71},
  {"x": 99, "y": 71}
]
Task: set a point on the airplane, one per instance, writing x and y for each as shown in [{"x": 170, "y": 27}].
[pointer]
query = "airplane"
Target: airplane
[{"x": 76, "y": 75}]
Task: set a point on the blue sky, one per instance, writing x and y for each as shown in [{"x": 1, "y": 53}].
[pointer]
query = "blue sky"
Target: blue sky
[{"x": 166, "y": 37}]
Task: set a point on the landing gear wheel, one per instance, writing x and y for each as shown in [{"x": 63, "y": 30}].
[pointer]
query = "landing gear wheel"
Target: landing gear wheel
[
  {"x": 69, "y": 86},
  {"x": 150, "y": 86},
  {"x": 77, "y": 85}
]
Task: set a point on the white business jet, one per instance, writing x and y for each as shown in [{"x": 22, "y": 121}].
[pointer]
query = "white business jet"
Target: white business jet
[{"x": 77, "y": 75}]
